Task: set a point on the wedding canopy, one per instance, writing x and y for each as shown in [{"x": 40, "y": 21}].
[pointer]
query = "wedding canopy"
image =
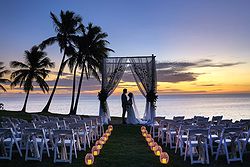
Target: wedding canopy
[{"x": 144, "y": 72}]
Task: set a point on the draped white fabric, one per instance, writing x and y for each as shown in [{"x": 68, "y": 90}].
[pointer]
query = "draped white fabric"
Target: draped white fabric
[
  {"x": 144, "y": 72},
  {"x": 113, "y": 70}
]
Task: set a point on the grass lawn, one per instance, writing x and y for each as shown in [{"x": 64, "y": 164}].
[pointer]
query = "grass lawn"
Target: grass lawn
[{"x": 125, "y": 148}]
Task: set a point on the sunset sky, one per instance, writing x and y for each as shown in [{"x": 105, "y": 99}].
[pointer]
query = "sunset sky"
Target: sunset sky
[{"x": 201, "y": 46}]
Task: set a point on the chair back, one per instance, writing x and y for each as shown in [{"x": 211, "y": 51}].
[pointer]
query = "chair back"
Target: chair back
[
  {"x": 226, "y": 122},
  {"x": 216, "y": 120},
  {"x": 54, "y": 119},
  {"x": 178, "y": 118}
]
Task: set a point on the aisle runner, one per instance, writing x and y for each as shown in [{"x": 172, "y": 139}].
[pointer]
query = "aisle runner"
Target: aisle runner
[{"x": 126, "y": 147}]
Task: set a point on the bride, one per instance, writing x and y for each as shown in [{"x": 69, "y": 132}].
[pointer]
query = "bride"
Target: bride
[{"x": 132, "y": 116}]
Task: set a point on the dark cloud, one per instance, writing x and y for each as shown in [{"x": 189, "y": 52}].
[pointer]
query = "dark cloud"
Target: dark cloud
[
  {"x": 208, "y": 85},
  {"x": 179, "y": 71},
  {"x": 186, "y": 65},
  {"x": 175, "y": 76}
]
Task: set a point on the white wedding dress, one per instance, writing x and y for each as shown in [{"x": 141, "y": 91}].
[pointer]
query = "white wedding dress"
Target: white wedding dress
[{"x": 132, "y": 113}]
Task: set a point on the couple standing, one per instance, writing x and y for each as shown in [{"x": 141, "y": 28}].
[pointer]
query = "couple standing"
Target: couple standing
[{"x": 128, "y": 105}]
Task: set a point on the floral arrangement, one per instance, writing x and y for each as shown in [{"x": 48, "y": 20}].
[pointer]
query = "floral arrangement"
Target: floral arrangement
[
  {"x": 102, "y": 96},
  {"x": 151, "y": 97}
]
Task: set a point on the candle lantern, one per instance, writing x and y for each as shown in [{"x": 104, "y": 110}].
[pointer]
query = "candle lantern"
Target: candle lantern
[
  {"x": 151, "y": 140},
  {"x": 98, "y": 143},
  {"x": 148, "y": 137},
  {"x": 95, "y": 151},
  {"x": 108, "y": 133},
  {"x": 144, "y": 134},
  {"x": 164, "y": 158},
  {"x": 110, "y": 128},
  {"x": 105, "y": 136},
  {"x": 89, "y": 159},
  {"x": 158, "y": 151},
  {"x": 143, "y": 128},
  {"x": 151, "y": 143},
  {"x": 154, "y": 146},
  {"x": 102, "y": 140}
]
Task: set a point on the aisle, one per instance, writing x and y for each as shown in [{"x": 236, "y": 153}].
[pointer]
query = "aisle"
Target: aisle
[{"x": 126, "y": 147}]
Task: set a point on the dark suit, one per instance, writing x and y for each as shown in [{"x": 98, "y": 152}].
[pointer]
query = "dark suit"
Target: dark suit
[{"x": 124, "y": 106}]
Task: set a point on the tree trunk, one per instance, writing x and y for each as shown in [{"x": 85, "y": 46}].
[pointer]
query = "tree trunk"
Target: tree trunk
[
  {"x": 73, "y": 89},
  {"x": 46, "y": 108},
  {"x": 25, "y": 101},
  {"x": 78, "y": 93}
]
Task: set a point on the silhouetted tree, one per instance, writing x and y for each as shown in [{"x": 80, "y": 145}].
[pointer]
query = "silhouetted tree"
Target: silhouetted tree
[
  {"x": 92, "y": 48},
  {"x": 66, "y": 28},
  {"x": 34, "y": 69},
  {"x": 2, "y": 73}
]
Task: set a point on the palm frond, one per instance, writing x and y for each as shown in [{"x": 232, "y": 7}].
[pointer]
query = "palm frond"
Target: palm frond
[
  {"x": 2, "y": 87},
  {"x": 17, "y": 64},
  {"x": 47, "y": 42}
]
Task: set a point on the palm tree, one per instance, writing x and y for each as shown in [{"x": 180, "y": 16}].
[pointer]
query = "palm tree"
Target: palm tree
[
  {"x": 66, "y": 28},
  {"x": 92, "y": 48},
  {"x": 73, "y": 65},
  {"x": 2, "y": 73},
  {"x": 33, "y": 69}
]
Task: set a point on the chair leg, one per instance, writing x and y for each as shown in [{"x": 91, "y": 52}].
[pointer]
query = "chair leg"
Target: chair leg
[
  {"x": 10, "y": 152},
  {"x": 186, "y": 152},
  {"x": 240, "y": 151},
  {"x": 218, "y": 151},
  {"x": 41, "y": 151},
  {"x": 47, "y": 148},
  {"x": 226, "y": 150},
  {"x": 70, "y": 150},
  {"x": 18, "y": 148},
  {"x": 207, "y": 155},
  {"x": 191, "y": 153},
  {"x": 26, "y": 151},
  {"x": 74, "y": 146}
]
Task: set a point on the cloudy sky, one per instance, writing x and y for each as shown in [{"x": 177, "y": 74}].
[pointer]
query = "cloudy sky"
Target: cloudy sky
[{"x": 200, "y": 46}]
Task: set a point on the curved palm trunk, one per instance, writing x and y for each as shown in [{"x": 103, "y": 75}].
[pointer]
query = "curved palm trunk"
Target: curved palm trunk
[
  {"x": 25, "y": 101},
  {"x": 78, "y": 93},
  {"x": 73, "y": 90},
  {"x": 46, "y": 108}
]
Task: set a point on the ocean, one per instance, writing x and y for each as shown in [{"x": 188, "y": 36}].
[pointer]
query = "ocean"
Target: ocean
[{"x": 231, "y": 106}]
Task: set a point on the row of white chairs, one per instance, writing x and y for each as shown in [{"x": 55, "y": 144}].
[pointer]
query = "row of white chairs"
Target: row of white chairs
[
  {"x": 63, "y": 137},
  {"x": 194, "y": 137}
]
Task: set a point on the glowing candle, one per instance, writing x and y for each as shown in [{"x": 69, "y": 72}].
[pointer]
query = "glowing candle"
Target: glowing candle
[
  {"x": 164, "y": 158},
  {"x": 89, "y": 159}
]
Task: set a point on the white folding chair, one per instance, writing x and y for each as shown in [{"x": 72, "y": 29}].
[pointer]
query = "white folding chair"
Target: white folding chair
[
  {"x": 48, "y": 130},
  {"x": 20, "y": 129},
  {"x": 171, "y": 133},
  {"x": 100, "y": 127},
  {"x": 155, "y": 125},
  {"x": 81, "y": 136},
  {"x": 245, "y": 140},
  {"x": 178, "y": 118},
  {"x": 7, "y": 140},
  {"x": 162, "y": 130},
  {"x": 229, "y": 144},
  {"x": 226, "y": 122},
  {"x": 196, "y": 146},
  {"x": 182, "y": 137},
  {"x": 68, "y": 121},
  {"x": 35, "y": 142},
  {"x": 61, "y": 124},
  {"x": 64, "y": 139},
  {"x": 214, "y": 134},
  {"x": 216, "y": 120}
]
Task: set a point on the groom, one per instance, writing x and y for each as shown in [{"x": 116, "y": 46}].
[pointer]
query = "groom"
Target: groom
[{"x": 124, "y": 104}]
